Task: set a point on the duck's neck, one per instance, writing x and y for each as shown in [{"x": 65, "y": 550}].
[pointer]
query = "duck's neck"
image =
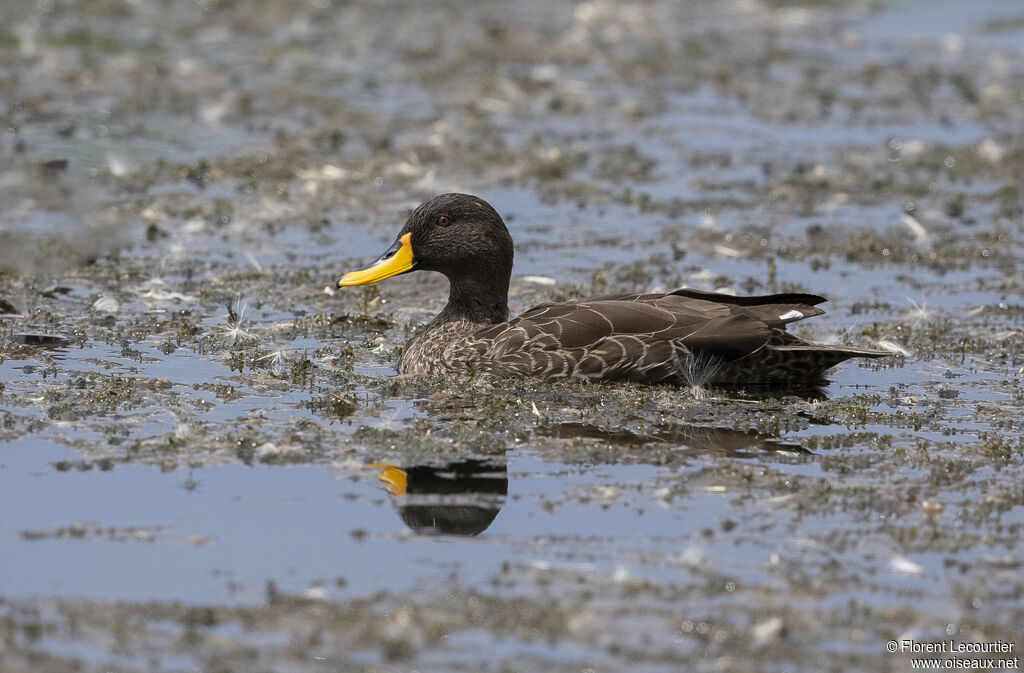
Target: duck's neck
[
  {"x": 473, "y": 304},
  {"x": 476, "y": 300}
]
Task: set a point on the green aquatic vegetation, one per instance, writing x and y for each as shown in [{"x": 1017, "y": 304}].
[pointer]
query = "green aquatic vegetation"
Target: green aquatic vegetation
[
  {"x": 332, "y": 405},
  {"x": 88, "y": 41},
  {"x": 998, "y": 447},
  {"x": 371, "y": 322},
  {"x": 94, "y": 392}
]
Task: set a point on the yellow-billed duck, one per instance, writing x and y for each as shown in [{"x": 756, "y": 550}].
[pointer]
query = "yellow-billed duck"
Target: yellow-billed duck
[{"x": 686, "y": 337}]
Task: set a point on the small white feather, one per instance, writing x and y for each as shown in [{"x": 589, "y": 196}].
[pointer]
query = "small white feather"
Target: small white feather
[
  {"x": 791, "y": 315},
  {"x": 917, "y": 229},
  {"x": 902, "y": 564},
  {"x": 893, "y": 347}
]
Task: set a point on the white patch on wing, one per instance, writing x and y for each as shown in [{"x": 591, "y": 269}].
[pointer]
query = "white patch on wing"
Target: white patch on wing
[{"x": 791, "y": 315}]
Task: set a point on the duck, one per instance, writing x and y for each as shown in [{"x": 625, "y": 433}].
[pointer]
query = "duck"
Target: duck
[{"x": 687, "y": 337}]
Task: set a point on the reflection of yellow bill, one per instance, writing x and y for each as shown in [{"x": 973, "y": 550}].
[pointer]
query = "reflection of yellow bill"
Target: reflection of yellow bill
[
  {"x": 395, "y": 260},
  {"x": 395, "y": 478}
]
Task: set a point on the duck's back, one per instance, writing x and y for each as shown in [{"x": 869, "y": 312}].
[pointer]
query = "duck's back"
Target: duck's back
[{"x": 686, "y": 337}]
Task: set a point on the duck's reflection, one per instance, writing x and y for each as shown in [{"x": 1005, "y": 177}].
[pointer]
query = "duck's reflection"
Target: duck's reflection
[
  {"x": 464, "y": 497},
  {"x": 460, "y": 498},
  {"x": 684, "y": 439}
]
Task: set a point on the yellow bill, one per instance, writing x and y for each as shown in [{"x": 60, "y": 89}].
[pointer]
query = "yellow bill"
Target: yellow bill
[{"x": 395, "y": 260}]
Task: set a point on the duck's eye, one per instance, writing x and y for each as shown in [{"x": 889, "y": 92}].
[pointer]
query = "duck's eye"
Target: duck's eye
[{"x": 444, "y": 220}]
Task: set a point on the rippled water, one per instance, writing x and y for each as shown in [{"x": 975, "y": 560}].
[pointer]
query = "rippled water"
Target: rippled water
[{"x": 181, "y": 490}]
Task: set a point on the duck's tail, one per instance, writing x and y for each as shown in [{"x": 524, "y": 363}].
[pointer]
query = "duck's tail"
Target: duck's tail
[{"x": 791, "y": 364}]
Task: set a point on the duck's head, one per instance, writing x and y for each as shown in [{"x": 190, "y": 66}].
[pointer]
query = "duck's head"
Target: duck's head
[{"x": 459, "y": 235}]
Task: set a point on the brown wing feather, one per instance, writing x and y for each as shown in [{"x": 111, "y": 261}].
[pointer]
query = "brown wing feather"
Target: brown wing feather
[{"x": 645, "y": 337}]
